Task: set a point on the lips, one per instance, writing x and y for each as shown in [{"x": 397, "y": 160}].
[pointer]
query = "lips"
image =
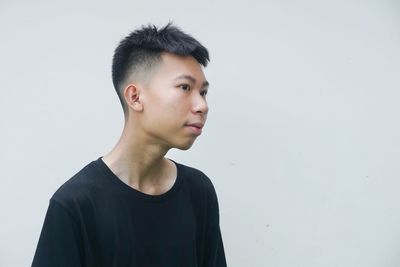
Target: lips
[{"x": 196, "y": 124}]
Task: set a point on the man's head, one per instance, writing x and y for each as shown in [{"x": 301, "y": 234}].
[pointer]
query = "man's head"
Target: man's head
[
  {"x": 159, "y": 79},
  {"x": 138, "y": 55}
]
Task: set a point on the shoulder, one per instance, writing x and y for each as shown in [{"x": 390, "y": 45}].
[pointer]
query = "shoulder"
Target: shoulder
[
  {"x": 202, "y": 191},
  {"x": 77, "y": 187},
  {"x": 198, "y": 181}
]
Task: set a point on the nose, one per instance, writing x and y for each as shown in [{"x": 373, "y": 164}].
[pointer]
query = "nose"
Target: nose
[{"x": 200, "y": 105}]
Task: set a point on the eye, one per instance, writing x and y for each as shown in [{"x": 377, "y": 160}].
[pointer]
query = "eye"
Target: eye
[
  {"x": 204, "y": 93},
  {"x": 184, "y": 86}
]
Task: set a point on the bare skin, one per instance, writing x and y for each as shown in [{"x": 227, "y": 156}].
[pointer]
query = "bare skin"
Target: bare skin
[{"x": 159, "y": 111}]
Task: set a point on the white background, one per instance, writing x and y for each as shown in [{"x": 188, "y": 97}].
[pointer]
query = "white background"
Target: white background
[{"x": 302, "y": 139}]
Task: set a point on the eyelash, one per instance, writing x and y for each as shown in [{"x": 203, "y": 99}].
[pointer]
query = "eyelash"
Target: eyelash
[{"x": 204, "y": 93}]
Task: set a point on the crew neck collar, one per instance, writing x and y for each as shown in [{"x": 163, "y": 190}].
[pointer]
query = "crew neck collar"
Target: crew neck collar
[{"x": 100, "y": 164}]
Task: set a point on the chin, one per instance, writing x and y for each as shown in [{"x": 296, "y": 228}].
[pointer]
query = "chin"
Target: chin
[{"x": 185, "y": 146}]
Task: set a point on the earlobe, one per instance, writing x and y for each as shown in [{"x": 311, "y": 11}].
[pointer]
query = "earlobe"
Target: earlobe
[{"x": 131, "y": 94}]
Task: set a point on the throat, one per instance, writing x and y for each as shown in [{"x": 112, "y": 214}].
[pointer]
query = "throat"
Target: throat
[{"x": 160, "y": 184}]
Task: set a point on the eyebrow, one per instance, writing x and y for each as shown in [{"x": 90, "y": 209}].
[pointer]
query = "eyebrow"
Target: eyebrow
[{"x": 193, "y": 80}]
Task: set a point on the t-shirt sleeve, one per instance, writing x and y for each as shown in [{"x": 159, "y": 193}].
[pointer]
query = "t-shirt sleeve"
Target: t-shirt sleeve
[
  {"x": 215, "y": 254},
  {"x": 59, "y": 242}
]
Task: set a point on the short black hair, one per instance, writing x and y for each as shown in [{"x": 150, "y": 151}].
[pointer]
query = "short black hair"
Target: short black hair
[{"x": 142, "y": 49}]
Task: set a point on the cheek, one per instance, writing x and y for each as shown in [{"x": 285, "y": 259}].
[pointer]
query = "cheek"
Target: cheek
[
  {"x": 171, "y": 105},
  {"x": 163, "y": 117},
  {"x": 166, "y": 109}
]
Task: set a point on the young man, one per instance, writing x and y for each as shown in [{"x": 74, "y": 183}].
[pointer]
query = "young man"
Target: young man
[{"x": 133, "y": 206}]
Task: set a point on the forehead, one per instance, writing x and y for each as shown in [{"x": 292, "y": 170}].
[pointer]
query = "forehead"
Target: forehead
[{"x": 172, "y": 66}]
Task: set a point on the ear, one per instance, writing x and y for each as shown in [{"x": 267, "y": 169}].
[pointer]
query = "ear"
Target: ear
[{"x": 131, "y": 95}]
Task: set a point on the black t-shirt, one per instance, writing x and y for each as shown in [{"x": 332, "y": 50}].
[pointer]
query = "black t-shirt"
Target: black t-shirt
[{"x": 94, "y": 220}]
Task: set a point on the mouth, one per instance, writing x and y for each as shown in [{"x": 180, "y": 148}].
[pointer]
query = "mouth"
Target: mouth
[
  {"x": 198, "y": 125},
  {"x": 195, "y": 127}
]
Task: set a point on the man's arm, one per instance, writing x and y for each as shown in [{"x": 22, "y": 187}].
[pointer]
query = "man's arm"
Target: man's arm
[
  {"x": 215, "y": 253},
  {"x": 60, "y": 242}
]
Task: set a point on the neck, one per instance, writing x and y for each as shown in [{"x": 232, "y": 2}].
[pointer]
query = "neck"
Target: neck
[{"x": 137, "y": 160}]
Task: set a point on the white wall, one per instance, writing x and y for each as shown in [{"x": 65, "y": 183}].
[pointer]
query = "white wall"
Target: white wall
[{"x": 302, "y": 141}]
